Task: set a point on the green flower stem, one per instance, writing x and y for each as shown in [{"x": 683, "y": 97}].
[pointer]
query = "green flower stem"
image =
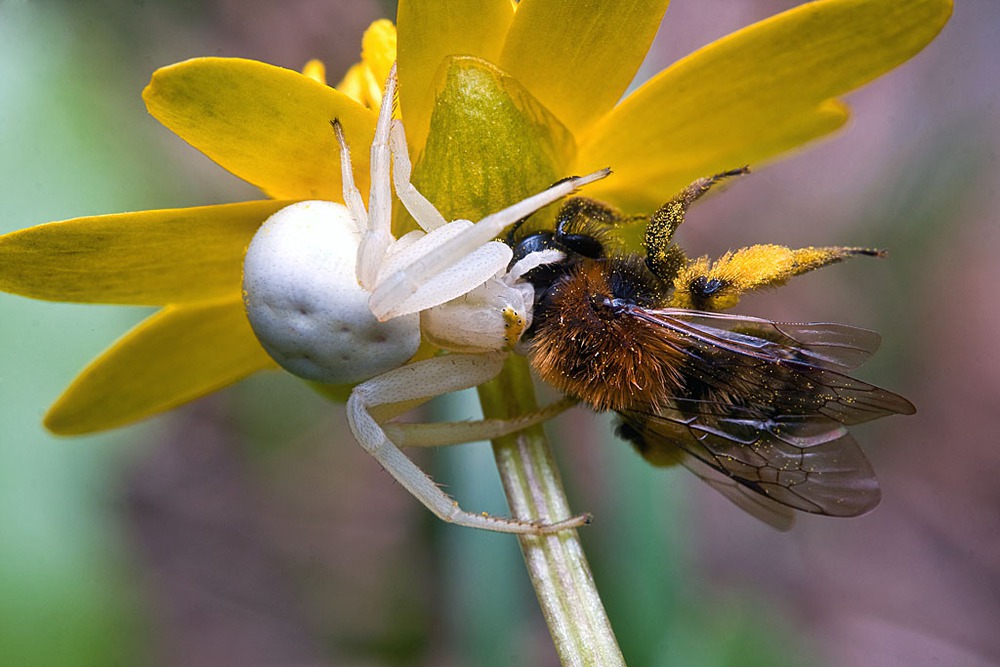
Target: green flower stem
[{"x": 556, "y": 563}]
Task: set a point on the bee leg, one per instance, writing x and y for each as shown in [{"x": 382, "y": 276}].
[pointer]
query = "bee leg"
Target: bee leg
[
  {"x": 415, "y": 383},
  {"x": 663, "y": 257},
  {"x": 719, "y": 286},
  {"x": 693, "y": 192}
]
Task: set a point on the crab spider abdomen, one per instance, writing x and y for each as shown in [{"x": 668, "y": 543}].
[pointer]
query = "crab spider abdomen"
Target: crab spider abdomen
[{"x": 304, "y": 302}]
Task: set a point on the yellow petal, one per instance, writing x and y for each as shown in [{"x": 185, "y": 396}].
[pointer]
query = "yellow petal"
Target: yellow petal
[
  {"x": 431, "y": 31},
  {"x": 268, "y": 125},
  {"x": 315, "y": 70},
  {"x": 359, "y": 84},
  {"x": 378, "y": 50},
  {"x": 753, "y": 94},
  {"x": 147, "y": 258},
  {"x": 365, "y": 81},
  {"x": 177, "y": 355},
  {"x": 491, "y": 143},
  {"x": 578, "y": 58}
]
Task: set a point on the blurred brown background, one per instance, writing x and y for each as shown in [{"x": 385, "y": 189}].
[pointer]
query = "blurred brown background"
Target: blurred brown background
[{"x": 249, "y": 528}]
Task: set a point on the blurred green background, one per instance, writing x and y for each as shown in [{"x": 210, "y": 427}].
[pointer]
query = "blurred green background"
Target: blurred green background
[{"x": 249, "y": 528}]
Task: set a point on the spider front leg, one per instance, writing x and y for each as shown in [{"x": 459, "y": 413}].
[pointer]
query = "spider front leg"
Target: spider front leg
[
  {"x": 461, "y": 247},
  {"x": 422, "y": 210},
  {"x": 452, "y": 258},
  {"x": 420, "y": 381}
]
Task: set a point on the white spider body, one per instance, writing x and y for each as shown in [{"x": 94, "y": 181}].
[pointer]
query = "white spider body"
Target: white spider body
[
  {"x": 333, "y": 296},
  {"x": 304, "y": 302}
]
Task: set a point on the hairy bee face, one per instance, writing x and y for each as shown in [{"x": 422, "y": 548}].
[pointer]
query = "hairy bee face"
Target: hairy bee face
[
  {"x": 758, "y": 409},
  {"x": 587, "y": 344}
]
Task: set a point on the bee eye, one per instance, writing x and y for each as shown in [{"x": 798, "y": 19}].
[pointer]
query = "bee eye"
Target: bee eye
[
  {"x": 581, "y": 244},
  {"x": 705, "y": 287},
  {"x": 534, "y": 243}
]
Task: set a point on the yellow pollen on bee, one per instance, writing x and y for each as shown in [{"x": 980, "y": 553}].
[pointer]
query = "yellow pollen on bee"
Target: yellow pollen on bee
[{"x": 752, "y": 268}]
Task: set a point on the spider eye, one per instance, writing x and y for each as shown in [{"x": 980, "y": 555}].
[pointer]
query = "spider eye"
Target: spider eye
[{"x": 582, "y": 244}]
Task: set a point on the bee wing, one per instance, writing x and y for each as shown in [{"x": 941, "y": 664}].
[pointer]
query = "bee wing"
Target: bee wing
[
  {"x": 750, "y": 501},
  {"x": 764, "y": 465},
  {"x": 787, "y": 376},
  {"x": 824, "y": 344}
]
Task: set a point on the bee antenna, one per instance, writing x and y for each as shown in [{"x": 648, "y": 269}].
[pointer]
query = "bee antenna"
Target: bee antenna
[
  {"x": 739, "y": 171},
  {"x": 870, "y": 252}
]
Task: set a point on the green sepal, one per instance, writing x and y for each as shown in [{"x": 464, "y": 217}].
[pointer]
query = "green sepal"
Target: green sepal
[{"x": 491, "y": 142}]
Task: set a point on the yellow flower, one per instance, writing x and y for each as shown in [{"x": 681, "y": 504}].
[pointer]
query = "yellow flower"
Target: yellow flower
[{"x": 499, "y": 101}]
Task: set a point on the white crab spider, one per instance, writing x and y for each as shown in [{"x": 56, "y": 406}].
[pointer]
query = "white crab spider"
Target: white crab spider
[{"x": 334, "y": 297}]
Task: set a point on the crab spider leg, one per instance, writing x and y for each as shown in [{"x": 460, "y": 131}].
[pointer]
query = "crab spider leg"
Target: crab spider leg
[
  {"x": 456, "y": 433},
  {"x": 352, "y": 196},
  {"x": 465, "y": 274},
  {"x": 418, "y": 205},
  {"x": 493, "y": 225},
  {"x": 392, "y": 292},
  {"x": 426, "y": 379},
  {"x": 378, "y": 237}
]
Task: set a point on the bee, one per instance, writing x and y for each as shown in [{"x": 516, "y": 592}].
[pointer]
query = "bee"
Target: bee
[{"x": 757, "y": 409}]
